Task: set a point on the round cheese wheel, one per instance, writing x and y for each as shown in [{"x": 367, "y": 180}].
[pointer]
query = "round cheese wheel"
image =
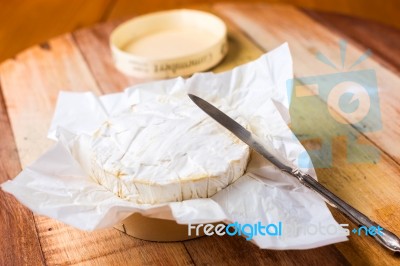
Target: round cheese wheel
[{"x": 166, "y": 150}]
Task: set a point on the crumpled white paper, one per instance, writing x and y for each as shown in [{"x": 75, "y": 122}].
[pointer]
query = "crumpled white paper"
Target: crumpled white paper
[{"x": 56, "y": 186}]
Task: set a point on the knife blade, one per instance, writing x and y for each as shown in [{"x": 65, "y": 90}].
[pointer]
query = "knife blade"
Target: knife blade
[{"x": 385, "y": 237}]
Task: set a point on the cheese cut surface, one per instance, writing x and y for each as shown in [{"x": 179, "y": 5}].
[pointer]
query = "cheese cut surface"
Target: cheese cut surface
[{"x": 166, "y": 150}]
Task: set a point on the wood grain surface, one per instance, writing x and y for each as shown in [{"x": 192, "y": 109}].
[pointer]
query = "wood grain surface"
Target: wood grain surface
[
  {"x": 17, "y": 226},
  {"x": 26, "y": 23},
  {"x": 81, "y": 61}
]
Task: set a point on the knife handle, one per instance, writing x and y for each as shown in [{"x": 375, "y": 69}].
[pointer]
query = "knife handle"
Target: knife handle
[{"x": 387, "y": 238}]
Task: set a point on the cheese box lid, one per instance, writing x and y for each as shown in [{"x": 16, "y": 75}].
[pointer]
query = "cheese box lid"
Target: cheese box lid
[{"x": 169, "y": 44}]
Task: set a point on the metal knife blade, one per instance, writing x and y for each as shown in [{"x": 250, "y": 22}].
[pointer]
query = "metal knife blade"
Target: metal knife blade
[{"x": 387, "y": 238}]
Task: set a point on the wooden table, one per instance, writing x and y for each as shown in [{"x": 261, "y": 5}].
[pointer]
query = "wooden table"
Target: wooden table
[{"x": 81, "y": 61}]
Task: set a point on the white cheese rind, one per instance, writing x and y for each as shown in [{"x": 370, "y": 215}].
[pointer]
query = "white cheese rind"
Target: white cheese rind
[{"x": 166, "y": 150}]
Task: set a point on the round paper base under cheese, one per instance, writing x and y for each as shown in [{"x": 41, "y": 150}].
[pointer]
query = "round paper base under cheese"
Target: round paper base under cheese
[
  {"x": 169, "y": 44},
  {"x": 153, "y": 229}
]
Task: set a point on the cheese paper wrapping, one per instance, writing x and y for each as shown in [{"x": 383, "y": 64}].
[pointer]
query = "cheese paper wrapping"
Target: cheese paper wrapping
[{"x": 56, "y": 186}]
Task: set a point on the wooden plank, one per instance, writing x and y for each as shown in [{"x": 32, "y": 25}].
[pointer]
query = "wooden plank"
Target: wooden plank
[
  {"x": 28, "y": 23},
  {"x": 241, "y": 50},
  {"x": 64, "y": 245},
  {"x": 381, "y": 39},
  {"x": 108, "y": 78},
  {"x": 17, "y": 226},
  {"x": 373, "y": 188},
  {"x": 30, "y": 102},
  {"x": 375, "y": 10},
  {"x": 236, "y": 250},
  {"x": 271, "y": 25}
]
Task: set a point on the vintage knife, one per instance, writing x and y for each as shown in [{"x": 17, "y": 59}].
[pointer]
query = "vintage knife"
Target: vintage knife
[{"x": 386, "y": 238}]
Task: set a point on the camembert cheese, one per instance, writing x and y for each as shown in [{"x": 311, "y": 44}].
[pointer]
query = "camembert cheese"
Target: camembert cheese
[{"x": 166, "y": 150}]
